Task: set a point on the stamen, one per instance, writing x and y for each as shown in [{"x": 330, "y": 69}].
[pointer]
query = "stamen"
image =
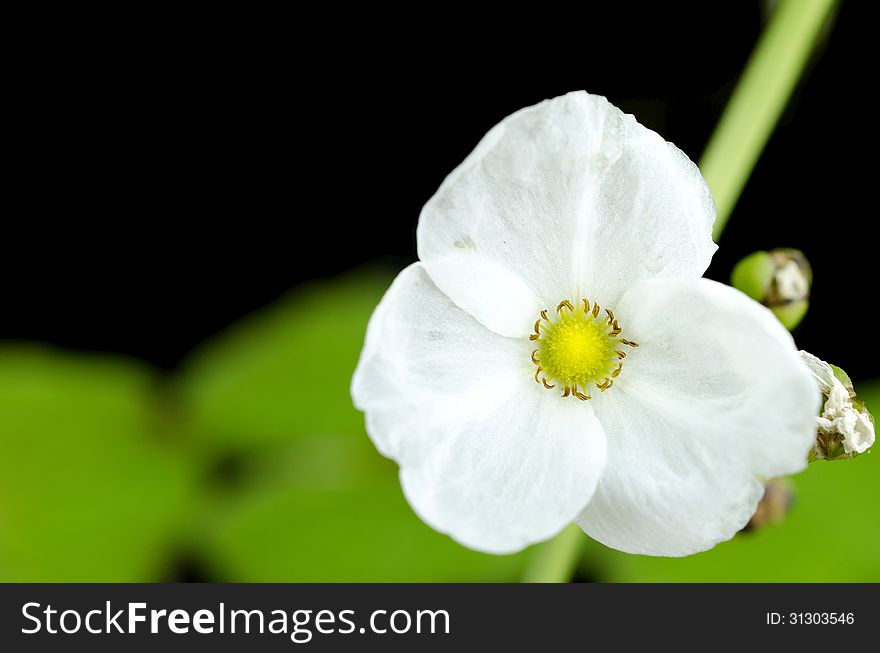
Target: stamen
[
  {"x": 577, "y": 349},
  {"x": 607, "y": 383},
  {"x": 537, "y": 333}
]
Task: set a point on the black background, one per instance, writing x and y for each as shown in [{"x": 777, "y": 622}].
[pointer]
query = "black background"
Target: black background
[{"x": 162, "y": 183}]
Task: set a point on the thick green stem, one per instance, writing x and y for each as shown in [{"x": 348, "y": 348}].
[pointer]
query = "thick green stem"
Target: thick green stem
[
  {"x": 758, "y": 100},
  {"x": 736, "y": 144},
  {"x": 555, "y": 561}
]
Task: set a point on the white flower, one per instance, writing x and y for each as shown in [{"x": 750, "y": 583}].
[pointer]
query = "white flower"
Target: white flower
[
  {"x": 494, "y": 376},
  {"x": 839, "y": 417}
]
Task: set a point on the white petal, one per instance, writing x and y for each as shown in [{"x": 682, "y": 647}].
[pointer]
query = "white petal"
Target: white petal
[
  {"x": 486, "y": 454},
  {"x": 820, "y": 370},
  {"x": 567, "y": 198},
  {"x": 715, "y": 399},
  {"x": 420, "y": 349},
  {"x": 862, "y": 436}
]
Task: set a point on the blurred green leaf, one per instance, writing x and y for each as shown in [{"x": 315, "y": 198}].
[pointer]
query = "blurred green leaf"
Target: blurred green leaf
[
  {"x": 87, "y": 491},
  {"x": 315, "y": 500},
  {"x": 286, "y": 370},
  {"x": 315, "y": 513},
  {"x": 831, "y": 535}
]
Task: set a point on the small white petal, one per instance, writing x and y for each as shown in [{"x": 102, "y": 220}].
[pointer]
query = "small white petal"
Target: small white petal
[
  {"x": 792, "y": 282},
  {"x": 486, "y": 454},
  {"x": 715, "y": 399},
  {"x": 838, "y": 400},
  {"x": 839, "y": 416},
  {"x": 862, "y": 437},
  {"x": 567, "y": 198},
  {"x": 820, "y": 370}
]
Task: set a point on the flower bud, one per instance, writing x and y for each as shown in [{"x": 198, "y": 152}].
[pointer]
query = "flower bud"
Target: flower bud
[
  {"x": 780, "y": 279},
  {"x": 845, "y": 428}
]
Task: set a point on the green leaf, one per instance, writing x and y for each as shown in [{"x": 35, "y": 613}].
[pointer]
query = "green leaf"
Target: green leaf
[
  {"x": 843, "y": 377},
  {"x": 831, "y": 535},
  {"x": 315, "y": 513},
  {"x": 286, "y": 370},
  {"x": 313, "y": 500},
  {"x": 88, "y": 491}
]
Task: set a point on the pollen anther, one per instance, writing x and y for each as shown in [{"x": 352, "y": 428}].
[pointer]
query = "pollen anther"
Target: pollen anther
[
  {"x": 607, "y": 383},
  {"x": 581, "y": 395},
  {"x": 565, "y": 303}
]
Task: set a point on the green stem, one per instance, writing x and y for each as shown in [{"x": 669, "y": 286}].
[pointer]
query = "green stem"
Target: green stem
[
  {"x": 758, "y": 100},
  {"x": 555, "y": 561},
  {"x": 736, "y": 144}
]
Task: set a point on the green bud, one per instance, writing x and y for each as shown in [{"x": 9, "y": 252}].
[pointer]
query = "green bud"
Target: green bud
[
  {"x": 754, "y": 275},
  {"x": 792, "y": 313},
  {"x": 780, "y": 279}
]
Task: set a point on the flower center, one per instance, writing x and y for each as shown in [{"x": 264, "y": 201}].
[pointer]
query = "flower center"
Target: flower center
[{"x": 578, "y": 348}]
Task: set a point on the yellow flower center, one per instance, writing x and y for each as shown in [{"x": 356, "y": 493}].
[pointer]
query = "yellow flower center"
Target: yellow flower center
[{"x": 577, "y": 348}]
